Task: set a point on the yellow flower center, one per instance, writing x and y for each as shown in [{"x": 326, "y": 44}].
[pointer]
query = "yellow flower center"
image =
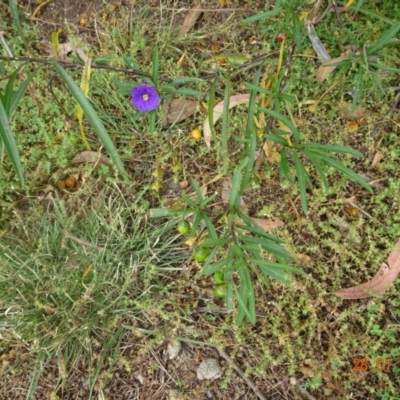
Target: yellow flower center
[{"x": 145, "y": 97}]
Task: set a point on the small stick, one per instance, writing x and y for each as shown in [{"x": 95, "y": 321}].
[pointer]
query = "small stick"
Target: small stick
[
  {"x": 240, "y": 372},
  {"x": 6, "y": 46},
  {"x": 81, "y": 241},
  {"x": 368, "y": 215},
  {"x": 32, "y": 17}
]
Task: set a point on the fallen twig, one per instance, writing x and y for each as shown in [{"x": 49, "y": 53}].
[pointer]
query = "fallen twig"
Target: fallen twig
[{"x": 242, "y": 375}]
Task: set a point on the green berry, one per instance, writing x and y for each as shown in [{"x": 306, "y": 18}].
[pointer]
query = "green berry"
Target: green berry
[
  {"x": 219, "y": 278},
  {"x": 183, "y": 227},
  {"x": 220, "y": 291},
  {"x": 201, "y": 253}
]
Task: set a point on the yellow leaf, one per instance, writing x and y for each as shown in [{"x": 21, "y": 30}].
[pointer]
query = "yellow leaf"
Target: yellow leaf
[
  {"x": 86, "y": 273},
  {"x": 85, "y": 89}
]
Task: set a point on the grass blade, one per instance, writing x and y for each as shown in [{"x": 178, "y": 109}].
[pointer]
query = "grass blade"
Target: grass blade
[
  {"x": 346, "y": 171},
  {"x": 384, "y": 39},
  {"x": 156, "y": 67},
  {"x": 225, "y": 127},
  {"x": 15, "y": 17},
  {"x": 250, "y": 133},
  {"x": 301, "y": 174},
  {"x": 284, "y": 166},
  {"x": 9, "y": 143},
  {"x": 317, "y": 165},
  {"x": 8, "y": 92},
  {"x": 330, "y": 148},
  {"x": 234, "y": 193},
  {"x": 260, "y": 16},
  {"x": 93, "y": 118},
  {"x": 18, "y": 94}
]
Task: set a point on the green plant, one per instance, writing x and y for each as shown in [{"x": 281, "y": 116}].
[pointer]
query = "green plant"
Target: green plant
[
  {"x": 9, "y": 100},
  {"x": 240, "y": 245}
]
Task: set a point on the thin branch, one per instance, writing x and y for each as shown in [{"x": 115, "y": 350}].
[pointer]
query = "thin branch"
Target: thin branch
[{"x": 250, "y": 383}]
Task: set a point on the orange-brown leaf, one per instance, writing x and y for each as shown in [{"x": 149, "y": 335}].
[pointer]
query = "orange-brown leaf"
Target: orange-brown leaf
[{"x": 386, "y": 275}]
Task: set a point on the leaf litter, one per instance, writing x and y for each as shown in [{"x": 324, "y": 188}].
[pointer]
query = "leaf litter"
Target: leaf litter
[{"x": 387, "y": 273}]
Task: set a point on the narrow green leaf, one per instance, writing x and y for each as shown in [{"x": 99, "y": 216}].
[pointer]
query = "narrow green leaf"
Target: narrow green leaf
[
  {"x": 384, "y": 39},
  {"x": 186, "y": 81},
  {"x": 301, "y": 174},
  {"x": 225, "y": 127},
  {"x": 384, "y": 67},
  {"x": 249, "y": 290},
  {"x": 8, "y": 92},
  {"x": 346, "y": 171},
  {"x": 297, "y": 30},
  {"x": 278, "y": 274},
  {"x": 375, "y": 15},
  {"x": 330, "y": 148},
  {"x": 18, "y": 94},
  {"x": 314, "y": 159},
  {"x": 285, "y": 120},
  {"x": 15, "y": 17},
  {"x": 269, "y": 246},
  {"x": 166, "y": 212},
  {"x": 9, "y": 143},
  {"x": 284, "y": 166},
  {"x": 253, "y": 227},
  {"x": 251, "y": 135},
  {"x": 277, "y": 139},
  {"x": 156, "y": 67},
  {"x": 210, "y": 227},
  {"x": 277, "y": 266},
  {"x": 197, "y": 189},
  {"x": 183, "y": 91},
  {"x": 357, "y": 89},
  {"x": 208, "y": 200},
  {"x": 93, "y": 118},
  {"x": 210, "y": 109},
  {"x": 188, "y": 200},
  {"x": 234, "y": 194},
  {"x": 217, "y": 266},
  {"x": 259, "y": 89},
  {"x": 260, "y": 16},
  {"x": 212, "y": 242}
]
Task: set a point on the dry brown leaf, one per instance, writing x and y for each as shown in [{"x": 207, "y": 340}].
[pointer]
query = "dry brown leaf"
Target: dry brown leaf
[
  {"x": 92, "y": 156},
  {"x": 303, "y": 258},
  {"x": 347, "y": 113},
  {"x": 178, "y": 110},
  {"x": 325, "y": 69},
  {"x": 386, "y": 275},
  {"x": 377, "y": 158},
  {"x": 191, "y": 18},
  {"x": 268, "y": 224}
]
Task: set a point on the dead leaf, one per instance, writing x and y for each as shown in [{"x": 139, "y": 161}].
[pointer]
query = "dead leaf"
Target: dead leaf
[
  {"x": 217, "y": 113},
  {"x": 303, "y": 258},
  {"x": 268, "y": 224},
  {"x": 325, "y": 69},
  {"x": 347, "y": 113},
  {"x": 377, "y": 158},
  {"x": 92, "y": 156},
  {"x": 191, "y": 18},
  {"x": 386, "y": 275},
  {"x": 178, "y": 110}
]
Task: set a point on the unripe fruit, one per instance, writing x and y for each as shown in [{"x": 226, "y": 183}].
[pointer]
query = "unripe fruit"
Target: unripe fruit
[
  {"x": 201, "y": 253},
  {"x": 219, "y": 277},
  {"x": 183, "y": 227},
  {"x": 220, "y": 291}
]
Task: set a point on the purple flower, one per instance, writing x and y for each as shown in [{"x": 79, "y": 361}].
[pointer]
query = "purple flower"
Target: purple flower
[{"x": 145, "y": 98}]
